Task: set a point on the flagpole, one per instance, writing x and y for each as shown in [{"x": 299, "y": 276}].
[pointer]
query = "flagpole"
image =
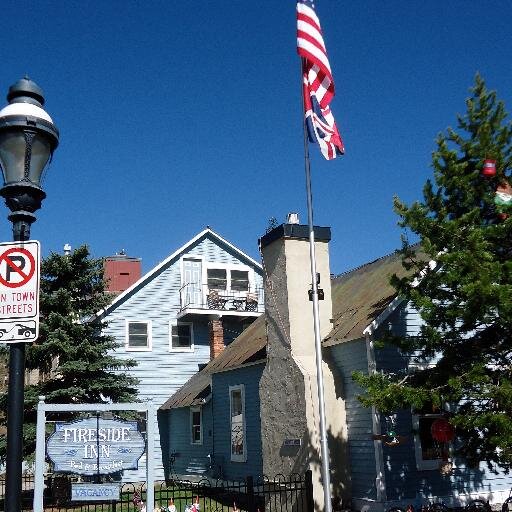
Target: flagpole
[{"x": 316, "y": 317}]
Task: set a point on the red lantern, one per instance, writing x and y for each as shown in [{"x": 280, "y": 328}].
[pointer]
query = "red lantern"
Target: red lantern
[
  {"x": 489, "y": 168},
  {"x": 442, "y": 430}
]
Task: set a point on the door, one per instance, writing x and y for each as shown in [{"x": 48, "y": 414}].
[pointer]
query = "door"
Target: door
[{"x": 192, "y": 289}]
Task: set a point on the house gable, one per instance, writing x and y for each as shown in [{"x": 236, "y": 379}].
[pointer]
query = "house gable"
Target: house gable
[{"x": 215, "y": 248}]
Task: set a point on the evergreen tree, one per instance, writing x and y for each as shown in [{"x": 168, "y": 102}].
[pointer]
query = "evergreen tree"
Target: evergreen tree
[
  {"x": 72, "y": 356},
  {"x": 466, "y": 300}
]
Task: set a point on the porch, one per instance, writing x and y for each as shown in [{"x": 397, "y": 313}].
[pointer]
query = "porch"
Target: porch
[{"x": 201, "y": 299}]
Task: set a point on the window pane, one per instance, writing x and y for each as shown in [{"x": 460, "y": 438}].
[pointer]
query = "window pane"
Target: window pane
[
  {"x": 196, "y": 425},
  {"x": 137, "y": 334},
  {"x": 217, "y": 278},
  {"x": 240, "y": 280},
  {"x": 430, "y": 448},
  {"x": 12, "y": 153},
  {"x": 236, "y": 403},
  {"x": 237, "y": 423},
  {"x": 181, "y": 336}
]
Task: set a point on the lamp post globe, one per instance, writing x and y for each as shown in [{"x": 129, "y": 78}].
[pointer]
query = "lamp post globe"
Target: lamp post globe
[{"x": 28, "y": 138}]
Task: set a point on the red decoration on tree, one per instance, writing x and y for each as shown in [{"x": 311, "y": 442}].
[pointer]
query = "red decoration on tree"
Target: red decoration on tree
[
  {"x": 442, "y": 430},
  {"x": 489, "y": 168}
]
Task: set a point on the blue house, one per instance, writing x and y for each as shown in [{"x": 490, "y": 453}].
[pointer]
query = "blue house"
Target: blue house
[
  {"x": 413, "y": 471},
  {"x": 212, "y": 423},
  {"x": 259, "y": 401},
  {"x": 180, "y": 315}
]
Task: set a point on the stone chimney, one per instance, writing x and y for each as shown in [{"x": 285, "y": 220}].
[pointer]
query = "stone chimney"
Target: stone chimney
[
  {"x": 288, "y": 387},
  {"x": 216, "y": 332}
]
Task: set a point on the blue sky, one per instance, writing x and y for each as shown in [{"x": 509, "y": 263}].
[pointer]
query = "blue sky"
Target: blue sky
[{"x": 177, "y": 115}]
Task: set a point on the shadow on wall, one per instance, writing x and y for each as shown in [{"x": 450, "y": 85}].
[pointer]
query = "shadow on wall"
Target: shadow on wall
[
  {"x": 163, "y": 428},
  {"x": 339, "y": 470}
]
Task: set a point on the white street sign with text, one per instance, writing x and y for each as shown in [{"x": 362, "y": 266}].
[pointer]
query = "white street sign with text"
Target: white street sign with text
[{"x": 19, "y": 291}]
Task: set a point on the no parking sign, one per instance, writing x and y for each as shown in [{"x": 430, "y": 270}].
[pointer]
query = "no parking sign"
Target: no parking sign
[{"x": 19, "y": 291}]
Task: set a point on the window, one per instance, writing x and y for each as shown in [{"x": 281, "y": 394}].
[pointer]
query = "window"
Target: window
[
  {"x": 240, "y": 280},
  {"x": 429, "y": 452},
  {"x": 237, "y": 409},
  {"x": 182, "y": 337},
  {"x": 196, "y": 434},
  {"x": 226, "y": 278},
  {"x": 138, "y": 335},
  {"x": 217, "y": 279}
]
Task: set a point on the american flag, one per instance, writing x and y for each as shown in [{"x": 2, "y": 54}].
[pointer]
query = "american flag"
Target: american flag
[{"x": 318, "y": 85}]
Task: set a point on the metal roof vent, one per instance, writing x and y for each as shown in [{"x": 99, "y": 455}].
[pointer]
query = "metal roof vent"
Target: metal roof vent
[{"x": 292, "y": 218}]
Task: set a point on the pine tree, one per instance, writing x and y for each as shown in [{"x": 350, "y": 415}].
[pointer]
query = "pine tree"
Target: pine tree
[
  {"x": 72, "y": 356},
  {"x": 466, "y": 300}
]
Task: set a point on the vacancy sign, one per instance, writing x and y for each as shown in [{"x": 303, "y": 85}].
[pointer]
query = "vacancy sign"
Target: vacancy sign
[{"x": 19, "y": 291}]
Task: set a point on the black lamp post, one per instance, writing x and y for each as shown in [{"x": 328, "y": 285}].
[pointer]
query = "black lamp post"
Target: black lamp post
[{"x": 28, "y": 138}]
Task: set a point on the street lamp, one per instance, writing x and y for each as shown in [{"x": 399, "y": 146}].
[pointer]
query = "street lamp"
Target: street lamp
[{"x": 28, "y": 138}]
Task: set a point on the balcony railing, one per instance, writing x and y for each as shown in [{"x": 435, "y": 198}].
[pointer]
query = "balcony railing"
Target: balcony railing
[{"x": 199, "y": 296}]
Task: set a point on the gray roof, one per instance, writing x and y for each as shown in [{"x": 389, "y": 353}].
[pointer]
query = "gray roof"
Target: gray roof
[{"x": 361, "y": 295}]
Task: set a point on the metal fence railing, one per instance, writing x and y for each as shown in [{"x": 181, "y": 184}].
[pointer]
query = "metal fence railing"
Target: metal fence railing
[
  {"x": 280, "y": 494},
  {"x": 200, "y": 296},
  {"x": 27, "y": 493}
]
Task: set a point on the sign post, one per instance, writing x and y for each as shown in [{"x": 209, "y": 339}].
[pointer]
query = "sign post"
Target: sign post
[
  {"x": 19, "y": 291},
  {"x": 111, "y": 443}
]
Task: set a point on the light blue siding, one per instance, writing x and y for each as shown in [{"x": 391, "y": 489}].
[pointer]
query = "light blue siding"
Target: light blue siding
[
  {"x": 349, "y": 357},
  {"x": 161, "y": 372},
  {"x": 250, "y": 377},
  {"x": 189, "y": 458}
]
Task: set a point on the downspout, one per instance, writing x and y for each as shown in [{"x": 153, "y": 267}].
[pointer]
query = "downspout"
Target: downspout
[
  {"x": 212, "y": 458},
  {"x": 380, "y": 479}
]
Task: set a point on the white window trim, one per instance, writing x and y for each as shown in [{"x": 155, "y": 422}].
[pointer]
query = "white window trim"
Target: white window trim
[
  {"x": 149, "y": 346},
  {"x": 420, "y": 463},
  {"x": 234, "y": 457},
  {"x": 181, "y": 349},
  {"x": 200, "y": 410},
  {"x": 228, "y": 267}
]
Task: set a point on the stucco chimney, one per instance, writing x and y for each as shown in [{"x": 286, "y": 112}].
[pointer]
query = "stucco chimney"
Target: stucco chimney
[
  {"x": 216, "y": 332},
  {"x": 288, "y": 387},
  {"x": 286, "y": 255}
]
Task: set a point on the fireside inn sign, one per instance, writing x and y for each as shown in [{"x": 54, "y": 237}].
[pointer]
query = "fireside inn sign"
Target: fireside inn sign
[{"x": 95, "y": 446}]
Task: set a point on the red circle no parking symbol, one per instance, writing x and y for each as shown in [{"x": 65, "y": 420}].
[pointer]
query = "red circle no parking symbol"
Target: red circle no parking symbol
[{"x": 18, "y": 269}]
